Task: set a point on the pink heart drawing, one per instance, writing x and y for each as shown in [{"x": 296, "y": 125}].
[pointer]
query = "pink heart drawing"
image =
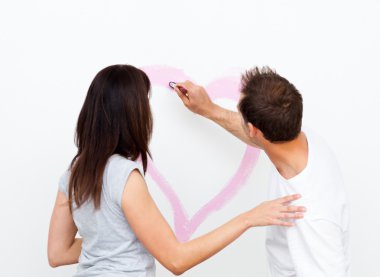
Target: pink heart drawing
[{"x": 227, "y": 87}]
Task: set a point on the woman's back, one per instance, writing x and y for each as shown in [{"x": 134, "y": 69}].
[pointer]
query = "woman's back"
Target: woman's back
[{"x": 109, "y": 244}]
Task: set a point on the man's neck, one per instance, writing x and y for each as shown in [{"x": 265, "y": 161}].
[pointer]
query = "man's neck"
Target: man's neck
[{"x": 290, "y": 158}]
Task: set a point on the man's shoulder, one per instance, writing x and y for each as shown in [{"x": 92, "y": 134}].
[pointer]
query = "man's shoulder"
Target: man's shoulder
[{"x": 318, "y": 145}]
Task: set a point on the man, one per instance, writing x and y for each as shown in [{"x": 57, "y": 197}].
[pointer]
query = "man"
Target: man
[{"x": 270, "y": 118}]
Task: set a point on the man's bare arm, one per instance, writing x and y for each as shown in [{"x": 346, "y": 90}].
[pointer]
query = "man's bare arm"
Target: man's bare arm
[{"x": 197, "y": 100}]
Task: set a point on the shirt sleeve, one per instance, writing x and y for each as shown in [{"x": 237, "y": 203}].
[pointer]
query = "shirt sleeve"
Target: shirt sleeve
[
  {"x": 120, "y": 177},
  {"x": 63, "y": 184},
  {"x": 316, "y": 248}
]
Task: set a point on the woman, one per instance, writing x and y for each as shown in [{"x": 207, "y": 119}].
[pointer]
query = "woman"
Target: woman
[{"x": 103, "y": 194}]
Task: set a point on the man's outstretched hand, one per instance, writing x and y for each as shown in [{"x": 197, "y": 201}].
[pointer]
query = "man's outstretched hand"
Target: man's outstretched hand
[{"x": 195, "y": 98}]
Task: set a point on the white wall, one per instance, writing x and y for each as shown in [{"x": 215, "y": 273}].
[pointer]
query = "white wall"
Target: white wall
[{"x": 50, "y": 51}]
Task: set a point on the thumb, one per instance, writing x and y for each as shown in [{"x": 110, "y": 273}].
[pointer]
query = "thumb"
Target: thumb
[{"x": 181, "y": 95}]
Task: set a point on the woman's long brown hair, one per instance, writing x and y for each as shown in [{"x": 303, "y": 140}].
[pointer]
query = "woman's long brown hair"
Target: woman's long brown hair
[{"x": 115, "y": 119}]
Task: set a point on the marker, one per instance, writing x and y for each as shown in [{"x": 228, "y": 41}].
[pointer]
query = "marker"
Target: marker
[{"x": 182, "y": 89}]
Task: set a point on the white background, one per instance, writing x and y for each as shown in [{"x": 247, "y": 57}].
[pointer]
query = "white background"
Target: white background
[{"x": 51, "y": 50}]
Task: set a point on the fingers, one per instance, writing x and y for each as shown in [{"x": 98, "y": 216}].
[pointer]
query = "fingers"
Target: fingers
[
  {"x": 184, "y": 97},
  {"x": 285, "y": 219},
  {"x": 279, "y": 222},
  {"x": 288, "y": 213},
  {"x": 275, "y": 212},
  {"x": 291, "y": 216},
  {"x": 289, "y": 198},
  {"x": 186, "y": 85},
  {"x": 183, "y": 90},
  {"x": 293, "y": 209}
]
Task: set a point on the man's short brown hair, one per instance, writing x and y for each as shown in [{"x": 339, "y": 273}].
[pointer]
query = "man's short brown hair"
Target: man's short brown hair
[{"x": 271, "y": 103}]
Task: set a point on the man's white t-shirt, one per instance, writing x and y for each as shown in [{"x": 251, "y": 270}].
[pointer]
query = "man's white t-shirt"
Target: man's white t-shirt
[{"x": 317, "y": 246}]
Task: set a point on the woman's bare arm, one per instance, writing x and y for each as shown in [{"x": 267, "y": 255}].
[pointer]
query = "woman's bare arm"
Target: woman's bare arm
[
  {"x": 155, "y": 233},
  {"x": 63, "y": 247}
]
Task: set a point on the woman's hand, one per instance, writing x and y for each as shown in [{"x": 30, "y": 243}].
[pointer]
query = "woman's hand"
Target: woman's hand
[{"x": 276, "y": 212}]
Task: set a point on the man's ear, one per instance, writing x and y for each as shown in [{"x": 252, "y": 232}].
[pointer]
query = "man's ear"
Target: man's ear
[{"x": 252, "y": 130}]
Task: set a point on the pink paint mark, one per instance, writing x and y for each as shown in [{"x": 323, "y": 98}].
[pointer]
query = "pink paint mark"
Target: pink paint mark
[{"x": 227, "y": 87}]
